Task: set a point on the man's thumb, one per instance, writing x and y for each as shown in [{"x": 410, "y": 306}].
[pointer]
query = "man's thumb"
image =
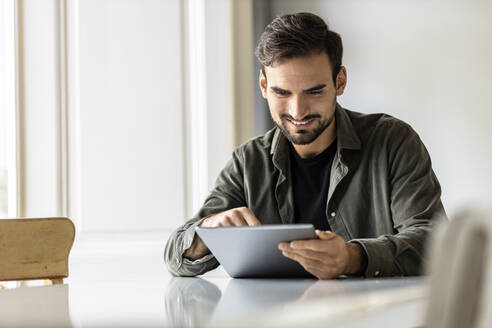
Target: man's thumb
[{"x": 327, "y": 234}]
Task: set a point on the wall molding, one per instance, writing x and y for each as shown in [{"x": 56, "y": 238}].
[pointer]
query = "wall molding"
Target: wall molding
[
  {"x": 61, "y": 117},
  {"x": 208, "y": 94},
  {"x": 11, "y": 20},
  {"x": 243, "y": 70},
  {"x": 194, "y": 104},
  {"x": 73, "y": 157}
]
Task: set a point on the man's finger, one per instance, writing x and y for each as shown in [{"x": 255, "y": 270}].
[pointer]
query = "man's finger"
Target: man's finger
[
  {"x": 312, "y": 244},
  {"x": 325, "y": 235},
  {"x": 307, "y": 264},
  {"x": 324, "y": 257},
  {"x": 310, "y": 254},
  {"x": 283, "y": 245},
  {"x": 312, "y": 266},
  {"x": 237, "y": 219},
  {"x": 296, "y": 257},
  {"x": 249, "y": 216},
  {"x": 225, "y": 221}
]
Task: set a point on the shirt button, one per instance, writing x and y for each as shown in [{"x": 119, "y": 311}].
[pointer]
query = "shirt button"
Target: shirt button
[{"x": 333, "y": 214}]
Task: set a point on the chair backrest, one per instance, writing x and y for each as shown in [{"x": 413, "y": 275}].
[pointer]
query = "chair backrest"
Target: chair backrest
[
  {"x": 460, "y": 273},
  {"x": 35, "y": 248}
]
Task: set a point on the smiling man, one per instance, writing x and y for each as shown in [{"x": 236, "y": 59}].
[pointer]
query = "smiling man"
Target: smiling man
[{"x": 364, "y": 181}]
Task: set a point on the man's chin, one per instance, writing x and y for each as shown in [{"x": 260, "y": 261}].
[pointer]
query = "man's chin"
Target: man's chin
[{"x": 302, "y": 138}]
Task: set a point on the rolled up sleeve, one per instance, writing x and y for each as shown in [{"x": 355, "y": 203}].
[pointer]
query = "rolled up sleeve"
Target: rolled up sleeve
[{"x": 227, "y": 194}]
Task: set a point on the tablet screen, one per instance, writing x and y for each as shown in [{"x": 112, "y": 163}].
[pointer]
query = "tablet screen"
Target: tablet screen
[{"x": 252, "y": 251}]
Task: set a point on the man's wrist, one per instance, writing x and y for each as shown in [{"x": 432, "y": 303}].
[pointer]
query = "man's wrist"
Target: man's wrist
[
  {"x": 357, "y": 259},
  {"x": 197, "y": 249}
]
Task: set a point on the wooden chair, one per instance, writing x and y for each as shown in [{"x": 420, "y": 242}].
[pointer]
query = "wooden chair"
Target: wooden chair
[{"x": 32, "y": 249}]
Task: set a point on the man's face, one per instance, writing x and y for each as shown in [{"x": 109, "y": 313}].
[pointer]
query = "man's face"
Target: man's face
[{"x": 302, "y": 96}]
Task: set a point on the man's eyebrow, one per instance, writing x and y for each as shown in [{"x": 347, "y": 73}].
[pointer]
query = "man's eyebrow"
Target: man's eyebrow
[
  {"x": 279, "y": 90},
  {"x": 316, "y": 88}
]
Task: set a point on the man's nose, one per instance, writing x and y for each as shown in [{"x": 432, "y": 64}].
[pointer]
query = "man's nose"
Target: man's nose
[{"x": 298, "y": 108}]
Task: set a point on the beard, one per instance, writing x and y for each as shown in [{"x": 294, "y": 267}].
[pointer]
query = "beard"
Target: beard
[{"x": 304, "y": 137}]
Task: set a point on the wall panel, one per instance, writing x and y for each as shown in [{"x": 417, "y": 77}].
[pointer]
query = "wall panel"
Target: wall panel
[
  {"x": 125, "y": 111},
  {"x": 428, "y": 63}
]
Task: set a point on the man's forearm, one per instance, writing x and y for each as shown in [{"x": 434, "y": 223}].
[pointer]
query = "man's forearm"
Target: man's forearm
[{"x": 178, "y": 242}]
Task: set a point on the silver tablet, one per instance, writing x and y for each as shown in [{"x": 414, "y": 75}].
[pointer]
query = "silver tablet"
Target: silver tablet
[{"x": 252, "y": 252}]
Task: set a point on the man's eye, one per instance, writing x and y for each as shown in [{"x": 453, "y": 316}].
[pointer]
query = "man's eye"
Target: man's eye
[
  {"x": 315, "y": 92},
  {"x": 281, "y": 92}
]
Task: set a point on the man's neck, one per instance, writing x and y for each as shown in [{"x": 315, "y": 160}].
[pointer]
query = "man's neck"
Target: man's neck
[{"x": 319, "y": 145}]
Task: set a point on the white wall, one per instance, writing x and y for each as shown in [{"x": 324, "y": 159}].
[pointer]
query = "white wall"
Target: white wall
[
  {"x": 107, "y": 100},
  {"x": 101, "y": 113},
  {"x": 111, "y": 130},
  {"x": 127, "y": 109},
  {"x": 8, "y": 119},
  {"x": 3, "y": 117},
  {"x": 428, "y": 63},
  {"x": 3, "y": 49}
]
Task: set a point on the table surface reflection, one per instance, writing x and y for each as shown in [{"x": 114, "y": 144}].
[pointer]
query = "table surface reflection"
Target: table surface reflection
[{"x": 130, "y": 292}]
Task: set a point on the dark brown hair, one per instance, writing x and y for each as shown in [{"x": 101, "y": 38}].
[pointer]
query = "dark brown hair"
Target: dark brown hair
[{"x": 297, "y": 35}]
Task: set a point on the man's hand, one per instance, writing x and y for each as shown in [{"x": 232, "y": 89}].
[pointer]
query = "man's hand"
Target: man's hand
[
  {"x": 239, "y": 216},
  {"x": 326, "y": 257}
]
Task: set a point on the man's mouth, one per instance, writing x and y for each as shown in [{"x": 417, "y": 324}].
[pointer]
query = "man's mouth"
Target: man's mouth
[{"x": 301, "y": 124}]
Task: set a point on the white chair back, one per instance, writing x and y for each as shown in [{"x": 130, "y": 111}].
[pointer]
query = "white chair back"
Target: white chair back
[{"x": 460, "y": 273}]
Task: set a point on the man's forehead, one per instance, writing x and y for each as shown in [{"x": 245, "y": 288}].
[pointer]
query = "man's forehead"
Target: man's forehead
[
  {"x": 313, "y": 57},
  {"x": 312, "y": 70},
  {"x": 297, "y": 79}
]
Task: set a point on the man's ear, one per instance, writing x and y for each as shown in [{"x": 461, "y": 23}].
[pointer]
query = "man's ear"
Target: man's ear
[
  {"x": 263, "y": 84},
  {"x": 341, "y": 80}
]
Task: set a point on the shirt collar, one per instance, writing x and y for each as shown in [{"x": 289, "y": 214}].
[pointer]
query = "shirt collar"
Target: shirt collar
[{"x": 346, "y": 135}]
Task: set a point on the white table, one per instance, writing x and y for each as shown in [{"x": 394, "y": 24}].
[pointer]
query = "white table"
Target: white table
[{"x": 135, "y": 290}]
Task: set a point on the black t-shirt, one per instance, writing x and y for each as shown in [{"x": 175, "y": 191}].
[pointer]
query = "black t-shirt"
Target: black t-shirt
[{"x": 311, "y": 180}]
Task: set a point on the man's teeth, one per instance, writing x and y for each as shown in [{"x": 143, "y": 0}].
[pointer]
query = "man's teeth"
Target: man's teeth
[{"x": 300, "y": 122}]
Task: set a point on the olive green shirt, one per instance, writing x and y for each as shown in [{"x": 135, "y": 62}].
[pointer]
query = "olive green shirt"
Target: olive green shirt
[{"x": 383, "y": 193}]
